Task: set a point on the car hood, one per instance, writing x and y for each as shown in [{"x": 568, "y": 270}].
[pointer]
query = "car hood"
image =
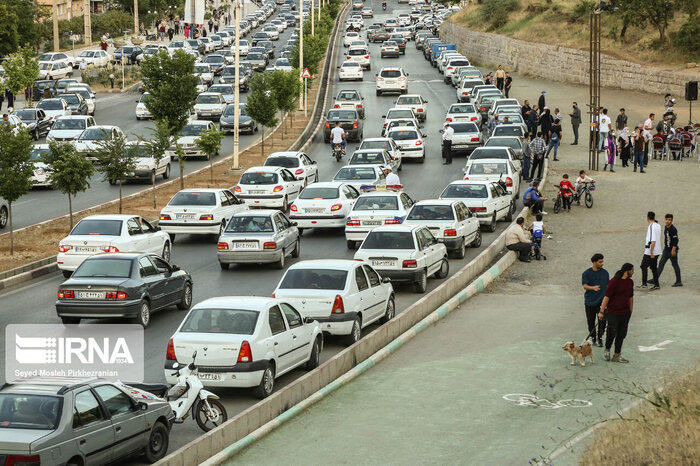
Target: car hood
[
  {"x": 20, "y": 440},
  {"x": 65, "y": 133},
  {"x": 187, "y": 139}
]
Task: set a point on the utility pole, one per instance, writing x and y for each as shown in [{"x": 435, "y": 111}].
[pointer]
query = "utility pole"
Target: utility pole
[
  {"x": 320, "y": 4},
  {"x": 56, "y": 43},
  {"x": 301, "y": 54},
  {"x": 136, "y": 17},
  {"x": 313, "y": 6},
  {"x": 237, "y": 87},
  {"x": 593, "y": 89},
  {"x": 88, "y": 22}
]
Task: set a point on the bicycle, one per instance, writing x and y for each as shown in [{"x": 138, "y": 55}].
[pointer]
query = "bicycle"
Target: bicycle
[{"x": 584, "y": 191}]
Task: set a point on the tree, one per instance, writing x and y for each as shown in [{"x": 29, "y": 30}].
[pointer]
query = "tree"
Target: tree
[
  {"x": 19, "y": 24},
  {"x": 173, "y": 88},
  {"x": 157, "y": 146},
  {"x": 69, "y": 172},
  {"x": 285, "y": 88},
  {"x": 657, "y": 12},
  {"x": 210, "y": 143},
  {"x": 261, "y": 105},
  {"x": 15, "y": 168},
  {"x": 21, "y": 69},
  {"x": 116, "y": 160}
]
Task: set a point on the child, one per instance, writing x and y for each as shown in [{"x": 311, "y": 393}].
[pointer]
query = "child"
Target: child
[
  {"x": 537, "y": 229},
  {"x": 567, "y": 190}
]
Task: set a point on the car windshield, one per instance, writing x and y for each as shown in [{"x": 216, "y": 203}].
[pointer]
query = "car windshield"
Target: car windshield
[
  {"x": 351, "y": 64},
  {"x": 388, "y": 240},
  {"x": 462, "y": 108},
  {"x": 45, "y": 57},
  {"x": 342, "y": 115},
  {"x": 176, "y": 44},
  {"x": 98, "y": 227},
  {"x": 71, "y": 99},
  {"x": 464, "y": 128},
  {"x": 431, "y": 212},
  {"x": 259, "y": 178},
  {"x": 222, "y": 89},
  {"x": 319, "y": 193},
  {"x": 356, "y": 52},
  {"x": 314, "y": 279},
  {"x": 403, "y": 135},
  {"x": 408, "y": 101},
  {"x": 507, "y": 142},
  {"x": 88, "y": 54},
  {"x": 50, "y": 104},
  {"x": 193, "y": 198},
  {"x": 45, "y": 66},
  {"x": 214, "y": 59},
  {"x": 465, "y": 191},
  {"x": 489, "y": 153},
  {"x": 232, "y": 321},
  {"x": 390, "y": 74},
  {"x": 29, "y": 411},
  {"x": 83, "y": 92},
  {"x": 95, "y": 134},
  {"x": 286, "y": 162},
  {"x": 377, "y": 203},
  {"x": 28, "y": 114},
  {"x": 490, "y": 168},
  {"x": 62, "y": 84},
  {"x": 208, "y": 99},
  {"x": 38, "y": 154},
  {"x": 403, "y": 113},
  {"x": 255, "y": 56},
  {"x": 356, "y": 173},
  {"x": 112, "y": 268},
  {"x": 375, "y": 145},
  {"x": 69, "y": 123},
  {"x": 348, "y": 96},
  {"x": 202, "y": 68},
  {"x": 367, "y": 158},
  {"x": 508, "y": 130},
  {"x": 230, "y": 71},
  {"x": 250, "y": 223},
  {"x": 192, "y": 130},
  {"x": 397, "y": 123}
]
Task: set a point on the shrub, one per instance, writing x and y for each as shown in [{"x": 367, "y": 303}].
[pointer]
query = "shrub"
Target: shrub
[
  {"x": 582, "y": 9},
  {"x": 688, "y": 37},
  {"x": 495, "y": 12}
]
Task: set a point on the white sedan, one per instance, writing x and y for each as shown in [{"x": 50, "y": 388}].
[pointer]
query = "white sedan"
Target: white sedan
[
  {"x": 489, "y": 201},
  {"x": 494, "y": 170},
  {"x": 351, "y": 70},
  {"x": 209, "y": 105},
  {"x": 100, "y": 234},
  {"x": 91, "y": 138},
  {"x": 323, "y": 205},
  {"x": 296, "y": 162},
  {"x": 387, "y": 144},
  {"x": 373, "y": 209},
  {"x": 410, "y": 142},
  {"x": 54, "y": 108},
  {"x": 274, "y": 187},
  {"x": 141, "y": 109},
  {"x": 361, "y": 175},
  {"x": 188, "y": 137},
  {"x": 147, "y": 167},
  {"x": 462, "y": 113},
  {"x": 98, "y": 58},
  {"x": 244, "y": 342},
  {"x": 349, "y": 37},
  {"x": 199, "y": 212},
  {"x": 405, "y": 253},
  {"x": 344, "y": 296}
]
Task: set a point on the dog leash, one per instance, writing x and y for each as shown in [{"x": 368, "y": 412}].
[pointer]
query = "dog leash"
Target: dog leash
[{"x": 592, "y": 332}]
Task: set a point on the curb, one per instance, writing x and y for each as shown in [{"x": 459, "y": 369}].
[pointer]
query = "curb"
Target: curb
[{"x": 471, "y": 290}]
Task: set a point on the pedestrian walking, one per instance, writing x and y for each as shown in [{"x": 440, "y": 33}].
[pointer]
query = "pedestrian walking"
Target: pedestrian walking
[
  {"x": 621, "y": 120},
  {"x": 624, "y": 145},
  {"x": 187, "y": 31},
  {"x": 604, "y": 125},
  {"x": 610, "y": 151},
  {"x": 546, "y": 122},
  {"x": 652, "y": 250},
  {"x": 526, "y": 157},
  {"x": 648, "y": 127},
  {"x": 447, "y": 135},
  {"x": 509, "y": 84},
  {"x": 537, "y": 146},
  {"x": 500, "y": 78},
  {"x": 575, "y": 121},
  {"x": 638, "y": 144},
  {"x": 517, "y": 240},
  {"x": 162, "y": 31},
  {"x": 211, "y": 24},
  {"x": 171, "y": 33},
  {"x": 616, "y": 309},
  {"x": 670, "y": 249},
  {"x": 541, "y": 102},
  {"x": 533, "y": 120},
  {"x": 554, "y": 139},
  {"x": 595, "y": 281}
]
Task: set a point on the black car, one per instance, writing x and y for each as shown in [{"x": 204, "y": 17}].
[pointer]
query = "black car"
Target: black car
[
  {"x": 197, "y": 45},
  {"x": 245, "y": 123},
  {"x": 228, "y": 76},
  {"x": 76, "y": 102},
  {"x": 259, "y": 37},
  {"x": 400, "y": 41},
  {"x": 128, "y": 51},
  {"x": 62, "y": 84},
  {"x": 127, "y": 285},
  {"x": 36, "y": 120},
  {"x": 349, "y": 121},
  {"x": 216, "y": 62},
  {"x": 40, "y": 85},
  {"x": 380, "y": 35},
  {"x": 257, "y": 60},
  {"x": 269, "y": 47}
]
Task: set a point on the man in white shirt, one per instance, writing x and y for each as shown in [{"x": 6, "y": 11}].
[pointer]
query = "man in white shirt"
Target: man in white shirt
[
  {"x": 338, "y": 136},
  {"x": 392, "y": 179},
  {"x": 604, "y": 127},
  {"x": 447, "y": 135},
  {"x": 652, "y": 251}
]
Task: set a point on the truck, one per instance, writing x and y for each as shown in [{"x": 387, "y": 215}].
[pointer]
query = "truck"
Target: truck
[{"x": 438, "y": 49}]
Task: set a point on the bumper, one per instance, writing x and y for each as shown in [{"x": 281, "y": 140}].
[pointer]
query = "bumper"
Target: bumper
[
  {"x": 356, "y": 235},
  {"x": 208, "y": 116},
  {"x": 204, "y": 228},
  {"x": 405, "y": 275},
  {"x": 189, "y": 152},
  {"x": 70, "y": 261},
  {"x": 352, "y": 135},
  {"x": 97, "y": 309},
  {"x": 335, "y": 221},
  {"x": 274, "y": 201},
  {"x": 452, "y": 243},
  {"x": 484, "y": 218},
  {"x": 412, "y": 153},
  {"x": 230, "y": 127},
  {"x": 391, "y": 54},
  {"x": 140, "y": 173},
  {"x": 395, "y": 88},
  {"x": 464, "y": 148},
  {"x": 143, "y": 114},
  {"x": 337, "y": 324},
  {"x": 242, "y": 375},
  {"x": 260, "y": 256},
  {"x": 351, "y": 76}
]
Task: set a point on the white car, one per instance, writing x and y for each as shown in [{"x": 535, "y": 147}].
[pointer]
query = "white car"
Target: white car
[
  {"x": 509, "y": 106},
  {"x": 4, "y": 213},
  {"x": 55, "y": 70},
  {"x": 91, "y": 138},
  {"x": 244, "y": 342},
  {"x": 104, "y": 234},
  {"x": 361, "y": 175},
  {"x": 41, "y": 174},
  {"x": 57, "y": 57},
  {"x": 451, "y": 66},
  {"x": 243, "y": 47},
  {"x": 176, "y": 45},
  {"x": 274, "y": 187},
  {"x": 378, "y": 157},
  {"x": 147, "y": 168},
  {"x": 367, "y": 12},
  {"x": 387, "y": 144},
  {"x": 404, "y": 19},
  {"x": 323, "y": 205},
  {"x": 54, "y": 108},
  {"x": 415, "y": 102},
  {"x": 405, "y": 253},
  {"x": 272, "y": 32},
  {"x": 398, "y": 114},
  {"x": 494, "y": 170},
  {"x": 410, "y": 142},
  {"x": 401, "y": 123},
  {"x": 488, "y": 200},
  {"x": 404, "y": 31},
  {"x": 349, "y": 37},
  {"x": 142, "y": 111},
  {"x": 299, "y": 163},
  {"x": 98, "y": 58},
  {"x": 350, "y": 99},
  {"x": 360, "y": 54},
  {"x": 86, "y": 93},
  {"x": 351, "y": 70},
  {"x": 498, "y": 152},
  {"x": 204, "y": 72},
  {"x": 199, "y": 212},
  {"x": 466, "y": 87},
  {"x": 373, "y": 209},
  {"x": 226, "y": 91},
  {"x": 450, "y": 221},
  {"x": 187, "y": 139},
  {"x": 209, "y": 105},
  {"x": 67, "y": 128},
  {"x": 344, "y": 296},
  {"x": 392, "y": 80},
  {"x": 462, "y": 113}
]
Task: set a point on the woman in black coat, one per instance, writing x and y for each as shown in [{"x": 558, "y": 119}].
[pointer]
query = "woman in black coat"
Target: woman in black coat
[{"x": 546, "y": 122}]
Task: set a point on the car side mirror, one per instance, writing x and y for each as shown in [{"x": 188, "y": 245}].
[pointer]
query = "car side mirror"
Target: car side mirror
[
  {"x": 294, "y": 224},
  {"x": 313, "y": 162},
  {"x": 309, "y": 320},
  {"x": 174, "y": 268},
  {"x": 142, "y": 406},
  {"x": 386, "y": 280}
]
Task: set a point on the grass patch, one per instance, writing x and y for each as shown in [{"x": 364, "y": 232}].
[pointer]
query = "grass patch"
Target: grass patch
[{"x": 514, "y": 26}]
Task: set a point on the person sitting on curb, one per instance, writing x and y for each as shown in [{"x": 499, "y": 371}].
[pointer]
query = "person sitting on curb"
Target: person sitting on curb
[
  {"x": 534, "y": 199},
  {"x": 517, "y": 240}
]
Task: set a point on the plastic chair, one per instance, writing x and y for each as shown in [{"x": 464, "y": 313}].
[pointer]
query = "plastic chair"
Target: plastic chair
[
  {"x": 659, "y": 146},
  {"x": 687, "y": 144}
]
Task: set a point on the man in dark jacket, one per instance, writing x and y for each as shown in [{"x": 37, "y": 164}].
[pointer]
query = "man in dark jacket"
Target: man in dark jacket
[
  {"x": 670, "y": 249},
  {"x": 541, "y": 102},
  {"x": 532, "y": 121},
  {"x": 575, "y": 122}
]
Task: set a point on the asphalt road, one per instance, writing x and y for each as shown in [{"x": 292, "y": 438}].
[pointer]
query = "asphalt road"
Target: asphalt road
[{"x": 34, "y": 302}]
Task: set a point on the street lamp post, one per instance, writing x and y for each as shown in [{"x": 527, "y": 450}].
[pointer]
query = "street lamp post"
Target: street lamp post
[
  {"x": 301, "y": 55},
  {"x": 136, "y": 17},
  {"x": 313, "y": 5},
  {"x": 237, "y": 88},
  {"x": 56, "y": 42}
]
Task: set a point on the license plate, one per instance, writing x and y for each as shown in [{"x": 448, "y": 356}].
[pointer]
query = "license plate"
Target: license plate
[
  {"x": 184, "y": 216},
  {"x": 91, "y": 295},
  {"x": 383, "y": 263},
  {"x": 372, "y": 222},
  {"x": 390, "y": 81},
  {"x": 256, "y": 191},
  {"x": 314, "y": 211},
  {"x": 208, "y": 376},
  {"x": 249, "y": 245},
  {"x": 460, "y": 146},
  {"x": 85, "y": 249}
]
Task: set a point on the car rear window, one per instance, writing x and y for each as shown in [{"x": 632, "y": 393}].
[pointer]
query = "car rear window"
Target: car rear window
[
  {"x": 400, "y": 113},
  {"x": 389, "y": 240},
  {"x": 194, "y": 199},
  {"x": 408, "y": 101},
  {"x": 465, "y": 128},
  {"x": 508, "y": 130},
  {"x": 465, "y": 191},
  {"x": 319, "y": 193},
  {"x": 377, "y": 203},
  {"x": 357, "y": 52},
  {"x": 98, "y": 227},
  {"x": 366, "y": 158},
  {"x": 23, "y": 411},
  {"x": 314, "y": 279},
  {"x": 375, "y": 145},
  {"x": 390, "y": 74},
  {"x": 208, "y": 99},
  {"x": 342, "y": 115},
  {"x": 113, "y": 268},
  {"x": 50, "y": 104},
  {"x": 431, "y": 212},
  {"x": 259, "y": 178},
  {"x": 464, "y": 108},
  {"x": 490, "y": 168},
  {"x": 403, "y": 135},
  {"x": 504, "y": 142},
  {"x": 489, "y": 153},
  {"x": 359, "y": 173},
  {"x": 250, "y": 224},
  {"x": 286, "y": 162},
  {"x": 233, "y": 321}
]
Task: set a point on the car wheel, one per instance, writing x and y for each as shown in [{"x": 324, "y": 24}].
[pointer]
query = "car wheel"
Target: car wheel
[
  {"x": 3, "y": 217},
  {"x": 422, "y": 284},
  {"x": 379, "y": 92},
  {"x": 477, "y": 239},
  {"x": 509, "y": 215},
  {"x": 351, "y": 244},
  {"x": 315, "y": 357},
  {"x": 285, "y": 205},
  {"x": 492, "y": 226},
  {"x": 390, "y": 311},
  {"x": 112, "y": 182},
  {"x": 152, "y": 178},
  {"x": 186, "y": 298},
  {"x": 301, "y": 231},
  {"x": 444, "y": 269},
  {"x": 267, "y": 383},
  {"x": 166, "y": 252},
  {"x": 280, "y": 263},
  {"x": 355, "y": 333},
  {"x": 207, "y": 419},
  {"x": 67, "y": 274},
  {"x": 70, "y": 320},
  {"x": 166, "y": 173},
  {"x": 144, "y": 316},
  {"x": 157, "y": 443},
  {"x": 462, "y": 251},
  {"x": 297, "y": 249},
  {"x": 172, "y": 237}
]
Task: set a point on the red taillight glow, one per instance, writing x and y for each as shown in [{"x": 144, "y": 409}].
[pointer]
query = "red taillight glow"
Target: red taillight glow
[
  {"x": 170, "y": 352},
  {"x": 299, "y": 171},
  {"x": 293, "y": 208},
  {"x": 450, "y": 232},
  {"x": 366, "y": 56},
  {"x": 327, "y": 125},
  {"x": 354, "y": 125},
  {"x": 420, "y": 110},
  {"x": 22, "y": 460},
  {"x": 336, "y": 207},
  {"x": 342, "y": 70},
  {"x": 448, "y": 119},
  {"x": 392, "y": 221},
  {"x": 473, "y": 118},
  {"x": 278, "y": 189},
  {"x": 165, "y": 217},
  {"x": 410, "y": 264},
  {"x": 358, "y": 106},
  {"x": 419, "y": 143},
  {"x": 270, "y": 245},
  {"x": 509, "y": 182},
  {"x": 352, "y": 223},
  {"x": 110, "y": 249},
  {"x": 465, "y": 93},
  {"x": 64, "y": 248},
  {"x": 66, "y": 294},
  {"x": 475, "y": 139},
  {"x": 336, "y": 106},
  {"x": 478, "y": 209},
  {"x": 245, "y": 355},
  {"x": 222, "y": 246},
  {"x": 206, "y": 217},
  {"x": 116, "y": 295},
  {"x": 483, "y": 109},
  {"x": 338, "y": 306},
  {"x": 237, "y": 189}
]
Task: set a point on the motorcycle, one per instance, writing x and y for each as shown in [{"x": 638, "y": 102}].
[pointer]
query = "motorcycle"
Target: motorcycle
[
  {"x": 187, "y": 395},
  {"x": 338, "y": 152},
  {"x": 384, "y": 6}
]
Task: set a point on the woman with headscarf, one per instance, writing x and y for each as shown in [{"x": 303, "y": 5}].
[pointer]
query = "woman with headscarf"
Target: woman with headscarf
[
  {"x": 611, "y": 151},
  {"x": 624, "y": 146},
  {"x": 546, "y": 121}
]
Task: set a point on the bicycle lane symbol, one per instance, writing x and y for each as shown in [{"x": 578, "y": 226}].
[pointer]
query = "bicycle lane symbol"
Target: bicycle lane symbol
[{"x": 523, "y": 399}]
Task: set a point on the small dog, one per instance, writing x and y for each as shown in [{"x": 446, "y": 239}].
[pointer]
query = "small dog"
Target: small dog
[{"x": 579, "y": 352}]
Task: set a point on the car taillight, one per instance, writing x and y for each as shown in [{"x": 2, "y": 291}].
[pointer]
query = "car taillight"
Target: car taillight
[
  {"x": 237, "y": 189},
  {"x": 358, "y": 106},
  {"x": 509, "y": 182},
  {"x": 478, "y": 209},
  {"x": 450, "y": 67},
  {"x": 448, "y": 119},
  {"x": 483, "y": 109},
  {"x": 383, "y": 49},
  {"x": 450, "y": 232},
  {"x": 327, "y": 125},
  {"x": 419, "y": 143},
  {"x": 270, "y": 245},
  {"x": 367, "y": 56},
  {"x": 338, "y": 306},
  {"x": 293, "y": 208},
  {"x": 352, "y": 223},
  {"x": 116, "y": 295},
  {"x": 22, "y": 460},
  {"x": 336, "y": 106},
  {"x": 410, "y": 264},
  {"x": 299, "y": 171},
  {"x": 473, "y": 118},
  {"x": 379, "y": 78},
  {"x": 170, "y": 352},
  {"x": 349, "y": 57},
  {"x": 342, "y": 70},
  {"x": 206, "y": 217},
  {"x": 164, "y": 217},
  {"x": 335, "y": 207},
  {"x": 66, "y": 294},
  {"x": 420, "y": 110},
  {"x": 244, "y": 354},
  {"x": 278, "y": 189},
  {"x": 475, "y": 139},
  {"x": 64, "y": 248},
  {"x": 221, "y": 245},
  {"x": 392, "y": 221},
  {"x": 110, "y": 249},
  {"x": 354, "y": 125},
  {"x": 402, "y": 78},
  {"x": 465, "y": 93}
]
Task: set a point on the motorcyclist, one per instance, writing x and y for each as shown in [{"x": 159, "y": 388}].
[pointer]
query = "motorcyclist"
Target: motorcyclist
[
  {"x": 338, "y": 136},
  {"x": 383, "y": 5}
]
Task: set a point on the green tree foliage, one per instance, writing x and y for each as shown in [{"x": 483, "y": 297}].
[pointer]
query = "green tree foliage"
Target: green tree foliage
[
  {"x": 495, "y": 12},
  {"x": 157, "y": 145},
  {"x": 19, "y": 24},
  {"x": 173, "y": 88},
  {"x": 688, "y": 38},
  {"x": 112, "y": 22},
  {"x": 21, "y": 69},
  {"x": 285, "y": 88},
  {"x": 15, "y": 168},
  {"x": 262, "y": 104},
  {"x": 69, "y": 172},
  {"x": 116, "y": 160},
  {"x": 210, "y": 143},
  {"x": 315, "y": 46}
]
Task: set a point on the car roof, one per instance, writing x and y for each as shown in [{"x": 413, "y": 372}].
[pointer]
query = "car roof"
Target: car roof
[
  {"x": 470, "y": 182},
  {"x": 246, "y": 213},
  {"x": 289, "y": 153},
  {"x": 200, "y": 190},
  {"x": 405, "y": 228},
  {"x": 199, "y": 122},
  {"x": 73, "y": 117},
  {"x": 381, "y": 193},
  {"x": 254, "y": 303},
  {"x": 343, "y": 264},
  {"x": 103, "y": 127},
  {"x": 110, "y": 217},
  {"x": 267, "y": 169},
  {"x": 47, "y": 386},
  {"x": 437, "y": 202},
  {"x": 475, "y": 161}
]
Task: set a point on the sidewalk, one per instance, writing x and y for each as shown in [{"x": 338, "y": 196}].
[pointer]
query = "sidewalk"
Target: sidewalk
[{"x": 440, "y": 399}]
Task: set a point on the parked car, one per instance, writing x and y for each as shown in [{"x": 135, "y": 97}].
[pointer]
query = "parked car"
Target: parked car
[
  {"x": 40, "y": 176},
  {"x": 97, "y": 58},
  {"x": 54, "y": 70},
  {"x": 488, "y": 200},
  {"x": 57, "y": 57},
  {"x": 91, "y": 138},
  {"x": 4, "y": 213},
  {"x": 128, "y": 53},
  {"x": 54, "y": 108}
]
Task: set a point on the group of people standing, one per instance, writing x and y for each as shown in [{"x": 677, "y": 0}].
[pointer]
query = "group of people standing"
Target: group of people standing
[{"x": 175, "y": 25}]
